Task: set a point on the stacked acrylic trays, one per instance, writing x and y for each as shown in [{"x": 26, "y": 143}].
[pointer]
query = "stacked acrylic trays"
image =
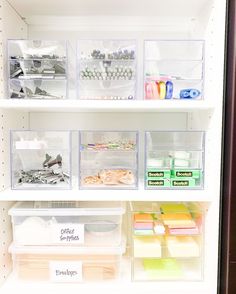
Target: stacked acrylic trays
[
  {"x": 167, "y": 241},
  {"x": 67, "y": 241},
  {"x": 107, "y": 69},
  {"x": 173, "y": 69},
  {"x": 37, "y": 69},
  {"x": 41, "y": 159},
  {"x": 108, "y": 160},
  {"x": 174, "y": 160}
]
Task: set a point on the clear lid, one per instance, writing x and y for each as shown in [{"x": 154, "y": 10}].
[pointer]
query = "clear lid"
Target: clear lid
[
  {"x": 65, "y": 208},
  {"x": 69, "y": 250}
]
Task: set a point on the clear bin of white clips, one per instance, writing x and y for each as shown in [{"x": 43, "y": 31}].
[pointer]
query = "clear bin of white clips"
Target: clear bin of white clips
[
  {"x": 107, "y": 69},
  {"x": 173, "y": 69},
  {"x": 41, "y": 159},
  {"x": 37, "y": 69},
  {"x": 108, "y": 160}
]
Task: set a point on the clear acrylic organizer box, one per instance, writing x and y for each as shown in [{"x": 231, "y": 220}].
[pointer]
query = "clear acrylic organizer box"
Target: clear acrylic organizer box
[
  {"x": 40, "y": 159},
  {"x": 173, "y": 69},
  {"x": 167, "y": 241},
  {"x": 108, "y": 160},
  {"x": 174, "y": 159},
  {"x": 67, "y": 223},
  {"x": 107, "y": 69},
  {"x": 37, "y": 69}
]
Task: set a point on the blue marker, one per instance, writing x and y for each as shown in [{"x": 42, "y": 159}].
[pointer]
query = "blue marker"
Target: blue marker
[{"x": 169, "y": 90}]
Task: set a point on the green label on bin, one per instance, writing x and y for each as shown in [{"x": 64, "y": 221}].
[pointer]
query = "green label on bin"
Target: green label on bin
[
  {"x": 183, "y": 183},
  {"x": 158, "y": 183},
  {"x": 155, "y": 173},
  {"x": 186, "y": 174}
]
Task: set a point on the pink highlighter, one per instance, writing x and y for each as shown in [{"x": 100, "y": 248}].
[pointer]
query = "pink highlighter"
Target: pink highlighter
[{"x": 148, "y": 91}]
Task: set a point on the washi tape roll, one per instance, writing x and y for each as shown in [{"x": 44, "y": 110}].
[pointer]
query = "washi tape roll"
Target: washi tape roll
[
  {"x": 169, "y": 89},
  {"x": 148, "y": 91},
  {"x": 155, "y": 93}
]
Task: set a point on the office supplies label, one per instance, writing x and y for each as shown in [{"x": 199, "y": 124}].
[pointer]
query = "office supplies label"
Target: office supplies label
[
  {"x": 66, "y": 271},
  {"x": 68, "y": 233}
]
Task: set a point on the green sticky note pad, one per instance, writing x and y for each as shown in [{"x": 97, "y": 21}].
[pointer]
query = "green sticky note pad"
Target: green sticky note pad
[
  {"x": 157, "y": 174},
  {"x": 162, "y": 268},
  {"x": 186, "y": 173},
  {"x": 183, "y": 182},
  {"x": 158, "y": 183}
]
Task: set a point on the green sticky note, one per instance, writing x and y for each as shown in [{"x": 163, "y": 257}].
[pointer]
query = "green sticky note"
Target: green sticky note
[
  {"x": 157, "y": 174},
  {"x": 186, "y": 173},
  {"x": 162, "y": 268},
  {"x": 158, "y": 183},
  {"x": 143, "y": 232}
]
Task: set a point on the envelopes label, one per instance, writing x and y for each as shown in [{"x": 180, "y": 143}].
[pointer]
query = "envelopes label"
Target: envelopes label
[
  {"x": 68, "y": 233},
  {"x": 66, "y": 271}
]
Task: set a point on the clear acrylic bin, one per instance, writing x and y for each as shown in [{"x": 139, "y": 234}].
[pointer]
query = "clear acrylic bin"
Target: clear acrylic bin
[
  {"x": 83, "y": 224},
  {"x": 107, "y": 69},
  {"x": 167, "y": 240},
  {"x": 67, "y": 264},
  {"x": 38, "y": 89},
  {"x": 174, "y": 160},
  {"x": 108, "y": 159},
  {"x": 173, "y": 69},
  {"x": 41, "y": 159},
  {"x": 37, "y": 69}
]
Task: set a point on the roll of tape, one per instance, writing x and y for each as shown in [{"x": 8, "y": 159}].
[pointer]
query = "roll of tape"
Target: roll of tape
[{"x": 189, "y": 93}]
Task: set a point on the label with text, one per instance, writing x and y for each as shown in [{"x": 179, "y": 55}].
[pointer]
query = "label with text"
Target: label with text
[
  {"x": 66, "y": 271},
  {"x": 68, "y": 233}
]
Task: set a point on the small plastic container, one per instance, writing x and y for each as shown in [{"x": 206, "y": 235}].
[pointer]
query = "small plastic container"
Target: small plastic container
[
  {"x": 37, "y": 69},
  {"x": 107, "y": 69},
  {"x": 41, "y": 159},
  {"x": 173, "y": 69},
  {"x": 174, "y": 159},
  {"x": 67, "y": 265},
  {"x": 80, "y": 224},
  {"x": 167, "y": 241},
  {"x": 108, "y": 160}
]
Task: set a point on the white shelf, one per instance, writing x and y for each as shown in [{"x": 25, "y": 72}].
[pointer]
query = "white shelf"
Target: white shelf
[
  {"x": 106, "y": 195},
  {"x": 12, "y": 285},
  {"x": 106, "y": 106}
]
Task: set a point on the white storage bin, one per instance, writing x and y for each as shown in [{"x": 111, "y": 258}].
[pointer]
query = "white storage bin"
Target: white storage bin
[
  {"x": 41, "y": 159},
  {"x": 67, "y": 223},
  {"x": 107, "y": 69},
  {"x": 67, "y": 265}
]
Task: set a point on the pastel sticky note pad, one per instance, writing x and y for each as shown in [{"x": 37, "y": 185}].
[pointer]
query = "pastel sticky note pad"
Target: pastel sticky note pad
[
  {"x": 143, "y": 226},
  {"x": 144, "y": 232},
  {"x": 184, "y": 231},
  {"x": 147, "y": 247},
  {"x": 162, "y": 268},
  {"x": 182, "y": 246},
  {"x": 181, "y": 154},
  {"x": 152, "y": 162},
  {"x": 181, "y": 162},
  {"x": 143, "y": 217}
]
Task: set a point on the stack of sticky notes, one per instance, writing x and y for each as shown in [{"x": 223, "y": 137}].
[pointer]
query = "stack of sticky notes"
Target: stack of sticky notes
[
  {"x": 147, "y": 224},
  {"x": 182, "y": 246},
  {"x": 178, "y": 219},
  {"x": 164, "y": 268},
  {"x": 147, "y": 246}
]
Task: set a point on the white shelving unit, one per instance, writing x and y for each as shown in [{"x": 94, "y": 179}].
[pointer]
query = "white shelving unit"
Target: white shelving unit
[{"x": 149, "y": 19}]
